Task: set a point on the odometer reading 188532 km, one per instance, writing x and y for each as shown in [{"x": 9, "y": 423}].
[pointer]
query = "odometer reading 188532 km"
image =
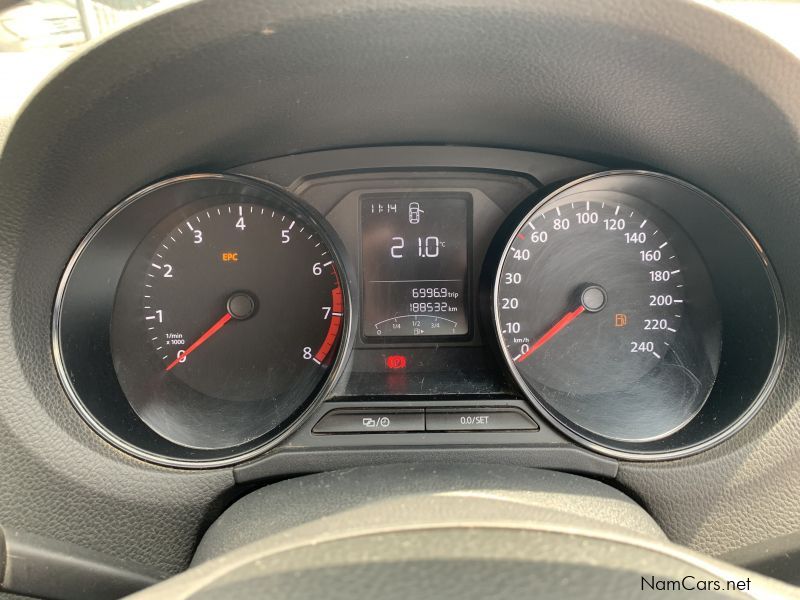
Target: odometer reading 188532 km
[
  {"x": 231, "y": 309},
  {"x": 592, "y": 306}
]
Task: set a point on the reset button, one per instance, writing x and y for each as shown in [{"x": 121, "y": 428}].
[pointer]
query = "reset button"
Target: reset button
[{"x": 489, "y": 419}]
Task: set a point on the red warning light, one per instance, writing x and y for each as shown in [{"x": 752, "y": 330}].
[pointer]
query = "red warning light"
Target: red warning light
[{"x": 396, "y": 361}]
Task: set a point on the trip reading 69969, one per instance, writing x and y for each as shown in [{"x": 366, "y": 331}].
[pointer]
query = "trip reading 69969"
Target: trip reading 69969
[{"x": 414, "y": 259}]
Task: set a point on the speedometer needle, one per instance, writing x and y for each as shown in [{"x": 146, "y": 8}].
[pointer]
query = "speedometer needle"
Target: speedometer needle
[
  {"x": 202, "y": 339},
  {"x": 563, "y": 322}
]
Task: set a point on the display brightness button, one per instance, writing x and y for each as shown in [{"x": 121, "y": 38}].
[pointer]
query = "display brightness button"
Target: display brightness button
[{"x": 476, "y": 419}]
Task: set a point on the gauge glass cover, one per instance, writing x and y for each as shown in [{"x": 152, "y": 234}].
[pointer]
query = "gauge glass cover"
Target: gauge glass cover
[
  {"x": 606, "y": 314},
  {"x": 225, "y": 322}
]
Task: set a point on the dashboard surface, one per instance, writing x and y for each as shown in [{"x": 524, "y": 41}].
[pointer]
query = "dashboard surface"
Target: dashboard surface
[{"x": 414, "y": 104}]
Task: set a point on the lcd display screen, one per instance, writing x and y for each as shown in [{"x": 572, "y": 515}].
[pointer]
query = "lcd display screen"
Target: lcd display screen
[{"x": 415, "y": 264}]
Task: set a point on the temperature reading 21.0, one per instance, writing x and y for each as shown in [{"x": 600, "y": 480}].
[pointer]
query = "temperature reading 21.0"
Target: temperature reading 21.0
[
  {"x": 414, "y": 255},
  {"x": 427, "y": 247}
]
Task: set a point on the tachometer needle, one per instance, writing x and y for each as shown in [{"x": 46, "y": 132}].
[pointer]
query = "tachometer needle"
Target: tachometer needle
[
  {"x": 563, "y": 322},
  {"x": 203, "y": 338}
]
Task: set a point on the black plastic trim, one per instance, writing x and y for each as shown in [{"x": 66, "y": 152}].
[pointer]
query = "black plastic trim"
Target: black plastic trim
[{"x": 42, "y": 567}]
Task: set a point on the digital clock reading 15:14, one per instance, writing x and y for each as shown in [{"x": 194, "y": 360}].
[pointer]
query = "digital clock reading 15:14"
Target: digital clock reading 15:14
[{"x": 414, "y": 259}]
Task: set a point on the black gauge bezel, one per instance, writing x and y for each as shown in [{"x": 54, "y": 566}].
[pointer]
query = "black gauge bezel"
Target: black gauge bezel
[
  {"x": 84, "y": 306},
  {"x": 728, "y": 407}
]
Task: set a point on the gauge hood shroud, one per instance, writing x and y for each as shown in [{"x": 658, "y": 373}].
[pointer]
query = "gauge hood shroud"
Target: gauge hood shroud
[{"x": 668, "y": 84}]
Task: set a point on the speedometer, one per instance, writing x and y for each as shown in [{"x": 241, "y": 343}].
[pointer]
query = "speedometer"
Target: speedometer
[{"x": 606, "y": 315}]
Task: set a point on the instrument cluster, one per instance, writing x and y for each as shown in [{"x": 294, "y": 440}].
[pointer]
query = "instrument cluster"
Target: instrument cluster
[{"x": 210, "y": 318}]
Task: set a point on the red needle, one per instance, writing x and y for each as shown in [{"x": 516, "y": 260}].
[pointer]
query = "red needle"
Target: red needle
[
  {"x": 563, "y": 322},
  {"x": 214, "y": 329}
]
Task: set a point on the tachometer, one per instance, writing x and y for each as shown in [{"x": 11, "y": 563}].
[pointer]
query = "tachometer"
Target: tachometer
[
  {"x": 231, "y": 308},
  {"x": 606, "y": 314},
  {"x": 234, "y": 262}
]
